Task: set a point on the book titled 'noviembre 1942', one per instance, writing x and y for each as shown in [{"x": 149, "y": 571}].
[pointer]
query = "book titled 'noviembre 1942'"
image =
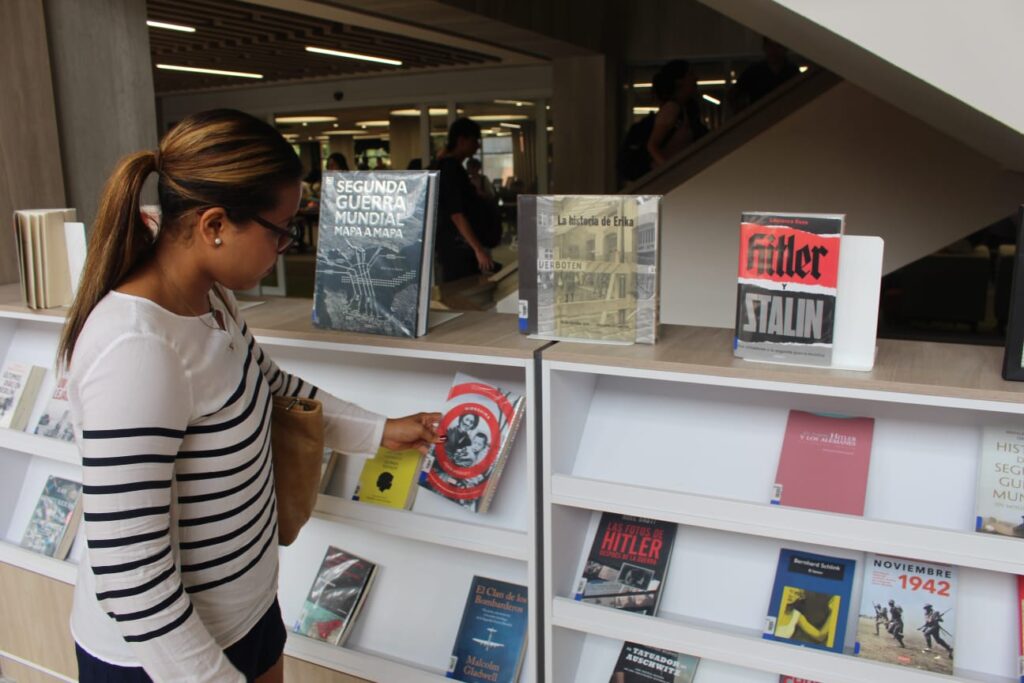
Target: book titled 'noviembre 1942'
[
  {"x": 375, "y": 250},
  {"x": 789, "y": 270},
  {"x": 492, "y": 636}
]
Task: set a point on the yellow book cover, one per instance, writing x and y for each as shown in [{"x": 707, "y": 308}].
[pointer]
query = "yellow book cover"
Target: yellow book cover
[{"x": 389, "y": 479}]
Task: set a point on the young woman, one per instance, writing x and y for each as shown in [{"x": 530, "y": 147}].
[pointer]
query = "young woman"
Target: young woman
[{"x": 171, "y": 398}]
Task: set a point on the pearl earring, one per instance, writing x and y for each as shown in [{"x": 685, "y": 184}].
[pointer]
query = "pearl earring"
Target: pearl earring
[{"x": 217, "y": 242}]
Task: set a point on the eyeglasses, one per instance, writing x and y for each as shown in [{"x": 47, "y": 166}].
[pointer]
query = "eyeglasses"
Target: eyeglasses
[{"x": 285, "y": 236}]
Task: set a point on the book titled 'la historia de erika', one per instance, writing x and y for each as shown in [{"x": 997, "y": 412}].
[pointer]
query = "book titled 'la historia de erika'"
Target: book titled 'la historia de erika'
[{"x": 788, "y": 274}]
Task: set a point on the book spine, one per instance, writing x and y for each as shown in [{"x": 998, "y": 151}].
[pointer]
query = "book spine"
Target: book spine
[
  {"x": 427, "y": 255},
  {"x": 527, "y": 235},
  {"x": 492, "y": 484}
]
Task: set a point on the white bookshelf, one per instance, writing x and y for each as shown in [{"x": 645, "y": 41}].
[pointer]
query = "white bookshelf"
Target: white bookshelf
[
  {"x": 685, "y": 433},
  {"x": 426, "y": 556}
]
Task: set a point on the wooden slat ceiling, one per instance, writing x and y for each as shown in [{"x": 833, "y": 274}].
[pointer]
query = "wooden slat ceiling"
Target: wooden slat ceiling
[{"x": 236, "y": 36}]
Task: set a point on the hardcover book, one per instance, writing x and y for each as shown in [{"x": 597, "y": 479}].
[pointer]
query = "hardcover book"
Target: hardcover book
[
  {"x": 375, "y": 251},
  {"x": 55, "y": 422},
  {"x": 491, "y": 642},
  {"x": 336, "y": 597},
  {"x": 999, "y": 506},
  {"x": 907, "y": 613},
  {"x": 588, "y": 267},
  {"x": 389, "y": 479},
  {"x": 824, "y": 463},
  {"x": 786, "y": 304},
  {"x": 627, "y": 564},
  {"x": 641, "y": 664},
  {"x": 810, "y": 600},
  {"x": 51, "y": 530},
  {"x": 48, "y": 245},
  {"x": 19, "y": 386},
  {"x": 479, "y": 425}
]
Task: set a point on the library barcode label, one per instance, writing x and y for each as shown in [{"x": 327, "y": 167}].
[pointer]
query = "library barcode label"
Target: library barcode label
[
  {"x": 769, "y": 625},
  {"x": 776, "y": 493},
  {"x": 453, "y": 662}
]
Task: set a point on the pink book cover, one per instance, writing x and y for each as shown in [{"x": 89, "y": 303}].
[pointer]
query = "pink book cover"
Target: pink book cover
[{"x": 824, "y": 463}]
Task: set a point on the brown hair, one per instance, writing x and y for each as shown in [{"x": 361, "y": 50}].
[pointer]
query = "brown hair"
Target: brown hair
[{"x": 220, "y": 158}]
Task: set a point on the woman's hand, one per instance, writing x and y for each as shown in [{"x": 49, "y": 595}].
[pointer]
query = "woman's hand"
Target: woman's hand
[{"x": 413, "y": 431}]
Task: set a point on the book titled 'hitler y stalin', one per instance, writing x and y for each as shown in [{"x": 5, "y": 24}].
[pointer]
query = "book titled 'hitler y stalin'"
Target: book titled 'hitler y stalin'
[{"x": 788, "y": 271}]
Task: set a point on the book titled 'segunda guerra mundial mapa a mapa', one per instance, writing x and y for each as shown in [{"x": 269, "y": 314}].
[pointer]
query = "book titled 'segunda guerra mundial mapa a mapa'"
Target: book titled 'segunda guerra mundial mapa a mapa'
[{"x": 375, "y": 251}]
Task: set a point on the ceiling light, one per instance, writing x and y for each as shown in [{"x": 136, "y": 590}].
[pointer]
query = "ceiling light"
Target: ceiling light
[
  {"x": 712, "y": 100},
  {"x": 322, "y": 137},
  {"x": 516, "y": 126},
  {"x": 170, "y": 27},
  {"x": 550, "y": 129},
  {"x": 378, "y": 136},
  {"x": 346, "y": 131},
  {"x": 305, "y": 119},
  {"x": 500, "y": 117},
  {"x": 433, "y": 111},
  {"x": 644, "y": 110},
  {"x": 712, "y": 81},
  {"x": 335, "y": 124},
  {"x": 502, "y": 134},
  {"x": 374, "y": 124},
  {"x": 518, "y": 103},
  {"x": 212, "y": 72},
  {"x": 353, "y": 55},
  {"x": 803, "y": 69},
  {"x": 642, "y": 85}
]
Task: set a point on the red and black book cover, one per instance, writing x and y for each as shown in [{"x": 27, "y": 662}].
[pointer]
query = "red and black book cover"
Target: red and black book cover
[
  {"x": 788, "y": 271},
  {"x": 627, "y": 563}
]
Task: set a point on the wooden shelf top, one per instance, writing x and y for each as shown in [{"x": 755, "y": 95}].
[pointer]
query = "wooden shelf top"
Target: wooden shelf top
[
  {"x": 484, "y": 334},
  {"x": 956, "y": 371}
]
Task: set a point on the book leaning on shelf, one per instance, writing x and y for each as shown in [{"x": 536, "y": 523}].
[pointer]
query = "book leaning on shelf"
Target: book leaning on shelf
[
  {"x": 55, "y": 422},
  {"x": 491, "y": 642},
  {"x": 1020, "y": 627},
  {"x": 51, "y": 252},
  {"x": 907, "y": 613},
  {"x": 51, "y": 530},
  {"x": 641, "y": 664},
  {"x": 336, "y": 597},
  {"x": 788, "y": 274},
  {"x": 999, "y": 504},
  {"x": 375, "y": 252},
  {"x": 19, "y": 385},
  {"x": 627, "y": 564},
  {"x": 588, "y": 267},
  {"x": 389, "y": 479},
  {"x": 479, "y": 425}
]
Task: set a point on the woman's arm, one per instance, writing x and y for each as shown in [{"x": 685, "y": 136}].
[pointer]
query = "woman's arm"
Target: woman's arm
[
  {"x": 664, "y": 123},
  {"x": 134, "y": 404}
]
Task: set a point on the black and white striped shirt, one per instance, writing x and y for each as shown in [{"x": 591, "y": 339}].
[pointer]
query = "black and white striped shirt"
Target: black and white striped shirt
[{"x": 172, "y": 420}]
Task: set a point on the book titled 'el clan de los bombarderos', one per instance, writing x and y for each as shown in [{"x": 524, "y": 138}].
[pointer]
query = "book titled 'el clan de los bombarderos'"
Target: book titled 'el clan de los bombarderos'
[
  {"x": 491, "y": 641},
  {"x": 999, "y": 504},
  {"x": 588, "y": 267},
  {"x": 810, "y": 600},
  {"x": 375, "y": 251},
  {"x": 627, "y": 564},
  {"x": 479, "y": 424},
  {"x": 788, "y": 272},
  {"x": 824, "y": 463}
]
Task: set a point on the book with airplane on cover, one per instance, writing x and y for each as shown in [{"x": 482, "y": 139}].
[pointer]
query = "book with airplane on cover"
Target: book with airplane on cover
[
  {"x": 375, "y": 251},
  {"x": 491, "y": 641}
]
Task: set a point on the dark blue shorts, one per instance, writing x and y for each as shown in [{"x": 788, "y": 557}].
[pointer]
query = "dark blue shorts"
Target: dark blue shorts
[{"x": 253, "y": 655}]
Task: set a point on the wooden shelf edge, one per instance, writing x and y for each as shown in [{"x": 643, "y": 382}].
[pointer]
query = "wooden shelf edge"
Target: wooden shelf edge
[
  {"x": 506, "y": 543},
  {"x": 42, "y": 446},
  {"x": 963, "y": 549},
  {"x": 356, "y": 663},
  {"x": 59, "y": 570},
  {"x": 736, "y": 648}
]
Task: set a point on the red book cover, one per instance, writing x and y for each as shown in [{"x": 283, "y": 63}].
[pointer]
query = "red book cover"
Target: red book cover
[
  {"x": 1020, "y": 623},
  {"x": 824, "y": 463}
]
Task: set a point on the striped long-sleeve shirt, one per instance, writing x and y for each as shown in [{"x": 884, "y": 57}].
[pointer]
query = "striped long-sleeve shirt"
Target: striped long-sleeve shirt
[{"x": 172, "y": 417}]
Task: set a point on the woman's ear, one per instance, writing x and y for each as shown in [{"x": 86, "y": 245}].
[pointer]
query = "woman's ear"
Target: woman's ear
[{"x": 210, "y": 229}]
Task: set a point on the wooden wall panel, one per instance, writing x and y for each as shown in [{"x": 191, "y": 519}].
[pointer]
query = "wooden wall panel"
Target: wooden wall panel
[
  {"x": 35, "y": 612},
  {"x": 19, "y": 673},
  {"x": 299, "y": 671},
  {"x": 30, "y": 161}
]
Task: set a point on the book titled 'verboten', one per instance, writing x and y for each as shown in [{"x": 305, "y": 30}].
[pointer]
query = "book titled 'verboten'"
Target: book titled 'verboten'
[
  {"x": 789, "y": 270},
  {"x": 491, "y": 641},
  {"x": 389, "y": 479},
  {"x": 336, "y": 597},
  {"x": 51, "y": 529},
  {"x": 588, "y": 267},
  {"x": 810, "y": 600},
  {"x": 479, "y": 424},
  {"x": 908, "y": 613},
  {"x": 824, "y": 463},
  {"x": 375, "y": 251},
  {"x": 642, "y": 664},
  {"x": 999, "y": 505},
  {"x": 19, "y": 386},
  {"x": 627, "y": 564}
]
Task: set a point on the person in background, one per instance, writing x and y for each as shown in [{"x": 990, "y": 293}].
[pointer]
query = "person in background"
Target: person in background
[
  {"x": 415, "y": 164},
  {"x": 481, "y": 183},
  {"x": 459, "y": 249},
  {"x": 337, "y": 162},
  {"x": 170, "y": 397},
  {"x": 677, "y": 123},
  {"x": 760, "y": 78}
]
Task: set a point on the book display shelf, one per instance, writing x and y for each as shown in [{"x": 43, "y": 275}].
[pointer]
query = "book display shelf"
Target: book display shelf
[
  {"x": 683, "y": 432},
  {"x": 426, "y": 557}
]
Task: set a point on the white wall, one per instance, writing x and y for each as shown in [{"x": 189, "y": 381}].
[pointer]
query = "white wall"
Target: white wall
[
  {"x": 952, "y": 63},
  {"x": 845, "y": 152}
]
